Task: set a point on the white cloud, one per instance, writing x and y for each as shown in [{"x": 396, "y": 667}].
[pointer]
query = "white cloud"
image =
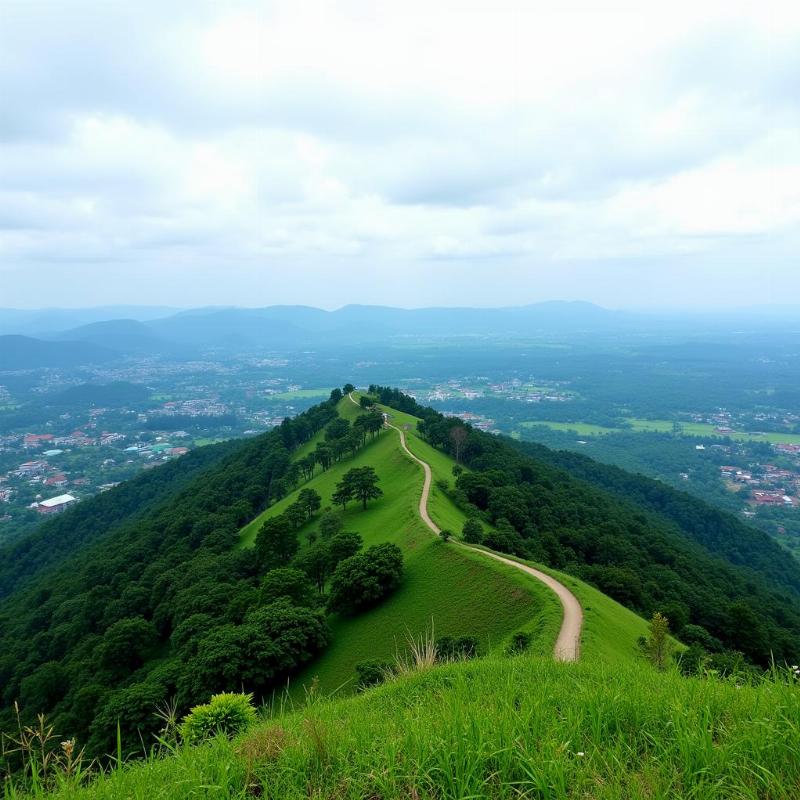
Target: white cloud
[{"x": 521, "y": 142}]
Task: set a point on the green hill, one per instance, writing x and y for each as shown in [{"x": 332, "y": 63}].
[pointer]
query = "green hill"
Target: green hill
[
  {"x": 454, "y": 591},
  {"x": 499, "y": 729},
  {"x": 168, "y": 601}
]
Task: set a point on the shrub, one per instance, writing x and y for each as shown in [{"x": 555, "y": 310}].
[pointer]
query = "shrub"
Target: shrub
[
  {"x": 364, "y": 579},
  {"x": 372, "y": 672},
  {"x": 456, "y": 648},
  {"x": 226, "y": 714},
  {"x": 445, "y": 534},
  {"x": 520, "y": 642},
  {"x": 472, "y": 532}
]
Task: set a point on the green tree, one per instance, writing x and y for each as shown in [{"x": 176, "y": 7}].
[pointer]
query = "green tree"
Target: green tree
[
  {"x": 125, "y": 645},
  {"x": 363, "y": 580},
  {"x": 276, "y": 543},
  {"x": 360, "y": 483},
  {"x": 658, "y": 645},
  {"x": 472, "y": 532},
  {"x": 342, "y": 546},
  {"x": 289, "y": 583},
  {"x": 330, "y": 524},
  {"x": 315, "y": 561},
  {"x": 310, "y": 502}
]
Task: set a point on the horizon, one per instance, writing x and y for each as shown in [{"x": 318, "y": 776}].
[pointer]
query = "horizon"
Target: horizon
[{"x": 767, "y": 308}]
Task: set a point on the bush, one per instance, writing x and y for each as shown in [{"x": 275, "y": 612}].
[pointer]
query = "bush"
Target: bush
[
  {"x": 372, "y": 672},
  {"x": 472, "y": 532},
  {"x": 364, "y": 579},
  {"x": 520, "y": 642},
  {"x": 226, "y": 714},
  {"x": 456, "y": 648}
]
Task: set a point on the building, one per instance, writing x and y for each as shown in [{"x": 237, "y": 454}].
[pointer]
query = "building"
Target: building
[{"x": 55, "y": 505}]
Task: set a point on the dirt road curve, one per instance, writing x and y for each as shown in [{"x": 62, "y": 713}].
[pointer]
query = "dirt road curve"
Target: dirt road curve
[{"x": 567, "y": 647}]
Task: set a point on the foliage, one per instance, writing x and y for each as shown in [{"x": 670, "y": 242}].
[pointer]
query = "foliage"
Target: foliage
[
  {"x": 372, "y": 672},
  {"x": 657, "y": 645},
  {"x": 226, "y": 714},
  {"x": 456, "y": 648},
  {"x": 363, "y": 580},
  {"x": 472, "y": 532},
  {"x": 359, "y": 483},
  {"x": 520, "y": 642}
]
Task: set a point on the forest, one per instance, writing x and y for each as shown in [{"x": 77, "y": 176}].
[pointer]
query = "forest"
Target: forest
[
  {"x": 648, "y": 546},
  {"x": 141, "y": 595}
]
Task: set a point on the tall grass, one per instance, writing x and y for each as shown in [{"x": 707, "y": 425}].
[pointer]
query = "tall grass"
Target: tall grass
[{"x": 502, "y": 728}]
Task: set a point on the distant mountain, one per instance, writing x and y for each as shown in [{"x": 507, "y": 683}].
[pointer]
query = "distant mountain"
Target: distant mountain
[
  {"x": 41, "y": 321},
  {"x": 128, "y": 336},
  {"x": 23, "y": 352},
  {"x": 183, "y": 334}
]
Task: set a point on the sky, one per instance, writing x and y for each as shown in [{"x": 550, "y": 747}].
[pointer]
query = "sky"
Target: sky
[{"x": 408, "y": 153}]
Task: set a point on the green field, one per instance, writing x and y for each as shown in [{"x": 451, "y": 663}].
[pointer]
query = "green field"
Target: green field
[
  {"x": 498, "y": 729},
  {"x": 302, "y": 394},
  {"x": 663, "y": 426},
  {"x": 456, "y": 591},
  {"x": 580, "y": 428}
]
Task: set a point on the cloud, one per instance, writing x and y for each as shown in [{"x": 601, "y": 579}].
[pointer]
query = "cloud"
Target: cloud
[{"x": 279, "y": 144}]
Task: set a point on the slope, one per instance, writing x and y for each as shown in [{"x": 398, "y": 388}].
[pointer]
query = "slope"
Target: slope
[
  {"x": 499, "y": 729},
  {"x": 610, "y": 631},
  {"x": 456, "y": 591}
]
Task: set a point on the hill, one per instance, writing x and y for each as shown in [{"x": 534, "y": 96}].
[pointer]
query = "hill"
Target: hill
[
  {"x": 24, "y": 352},
  {"x": 121, "y": 604},
  {"x": 499, "y": 728}
]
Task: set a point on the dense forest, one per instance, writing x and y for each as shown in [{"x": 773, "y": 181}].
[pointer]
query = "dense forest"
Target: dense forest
[
  {"x": 645, "y": 544},
  {"x": 141, "y": 595}
]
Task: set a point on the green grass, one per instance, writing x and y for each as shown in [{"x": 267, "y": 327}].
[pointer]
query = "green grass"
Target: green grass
[
  {"x": 664, "y": 426},
  {"x": 302, "y": 394},
  {"x": 501, "y": 728},
  {"x": 456, "y": 591},
  {"x": 580, "y": 428}
]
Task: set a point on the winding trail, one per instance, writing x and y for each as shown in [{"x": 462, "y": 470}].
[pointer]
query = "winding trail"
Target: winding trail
[{"x": 567, "y": 646}]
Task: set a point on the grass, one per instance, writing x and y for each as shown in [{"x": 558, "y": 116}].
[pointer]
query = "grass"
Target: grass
[
  {"x": 501, "y": 728},
  {"x": 301, "y": 394},
  {"x": 580, "y": 428},
  {"x": 664, "y": 426},
  {"x": 457, "y": 591}
]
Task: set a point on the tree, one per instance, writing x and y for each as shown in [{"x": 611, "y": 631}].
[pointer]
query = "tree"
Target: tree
[
  {"x": 289, "y": 583},
  {"x": 658, "y": 645},
  {"x": 360, "y": 483},
  {"x": 341, "y": 495},
  {"x": 347, "y": 388},
  {"x": 330, "y": 524},
  {"x": 276, "y": 543},
  {"x": 445, "y": 535},
  {"x": 366, "y": 402},
  {"x": 315, "y": 561},
  {"x": 457, "y": 470},
  {"x": 342, "y": 546},
  {"x": 361, "y": 581},
  {"x": 310, "y": 501},
  {"x": 458, "y": 435},
  {"x": 125, "y": 645},
  {"x": 472, "y": 532}
]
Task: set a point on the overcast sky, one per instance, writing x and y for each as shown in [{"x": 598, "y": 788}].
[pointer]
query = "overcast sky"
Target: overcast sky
[{"x": 632, "y": 154}]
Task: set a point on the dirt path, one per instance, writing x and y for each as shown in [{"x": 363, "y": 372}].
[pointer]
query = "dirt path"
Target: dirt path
[{"x": 567, "y": 647}]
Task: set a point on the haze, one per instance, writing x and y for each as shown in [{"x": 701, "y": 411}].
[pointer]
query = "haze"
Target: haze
[{"x": 401, "y": 153}]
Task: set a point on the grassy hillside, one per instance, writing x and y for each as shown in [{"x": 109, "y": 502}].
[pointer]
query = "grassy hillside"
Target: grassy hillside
[
  {"x": 610, "y": 631},
  {"x": 456, "y": 591},
  {"x": 501, "y": 728}
]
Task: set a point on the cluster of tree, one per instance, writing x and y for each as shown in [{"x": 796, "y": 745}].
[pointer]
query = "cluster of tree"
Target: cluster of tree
[
  {"x": 154, "y": 602},
  {"x": 341, "y": 439},
  {"x": 647, "y": 545},
  {"x": 359, "y": 483}
]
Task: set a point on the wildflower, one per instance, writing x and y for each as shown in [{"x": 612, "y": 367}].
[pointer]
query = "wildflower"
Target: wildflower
[{"x": 580, "y": 753}]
